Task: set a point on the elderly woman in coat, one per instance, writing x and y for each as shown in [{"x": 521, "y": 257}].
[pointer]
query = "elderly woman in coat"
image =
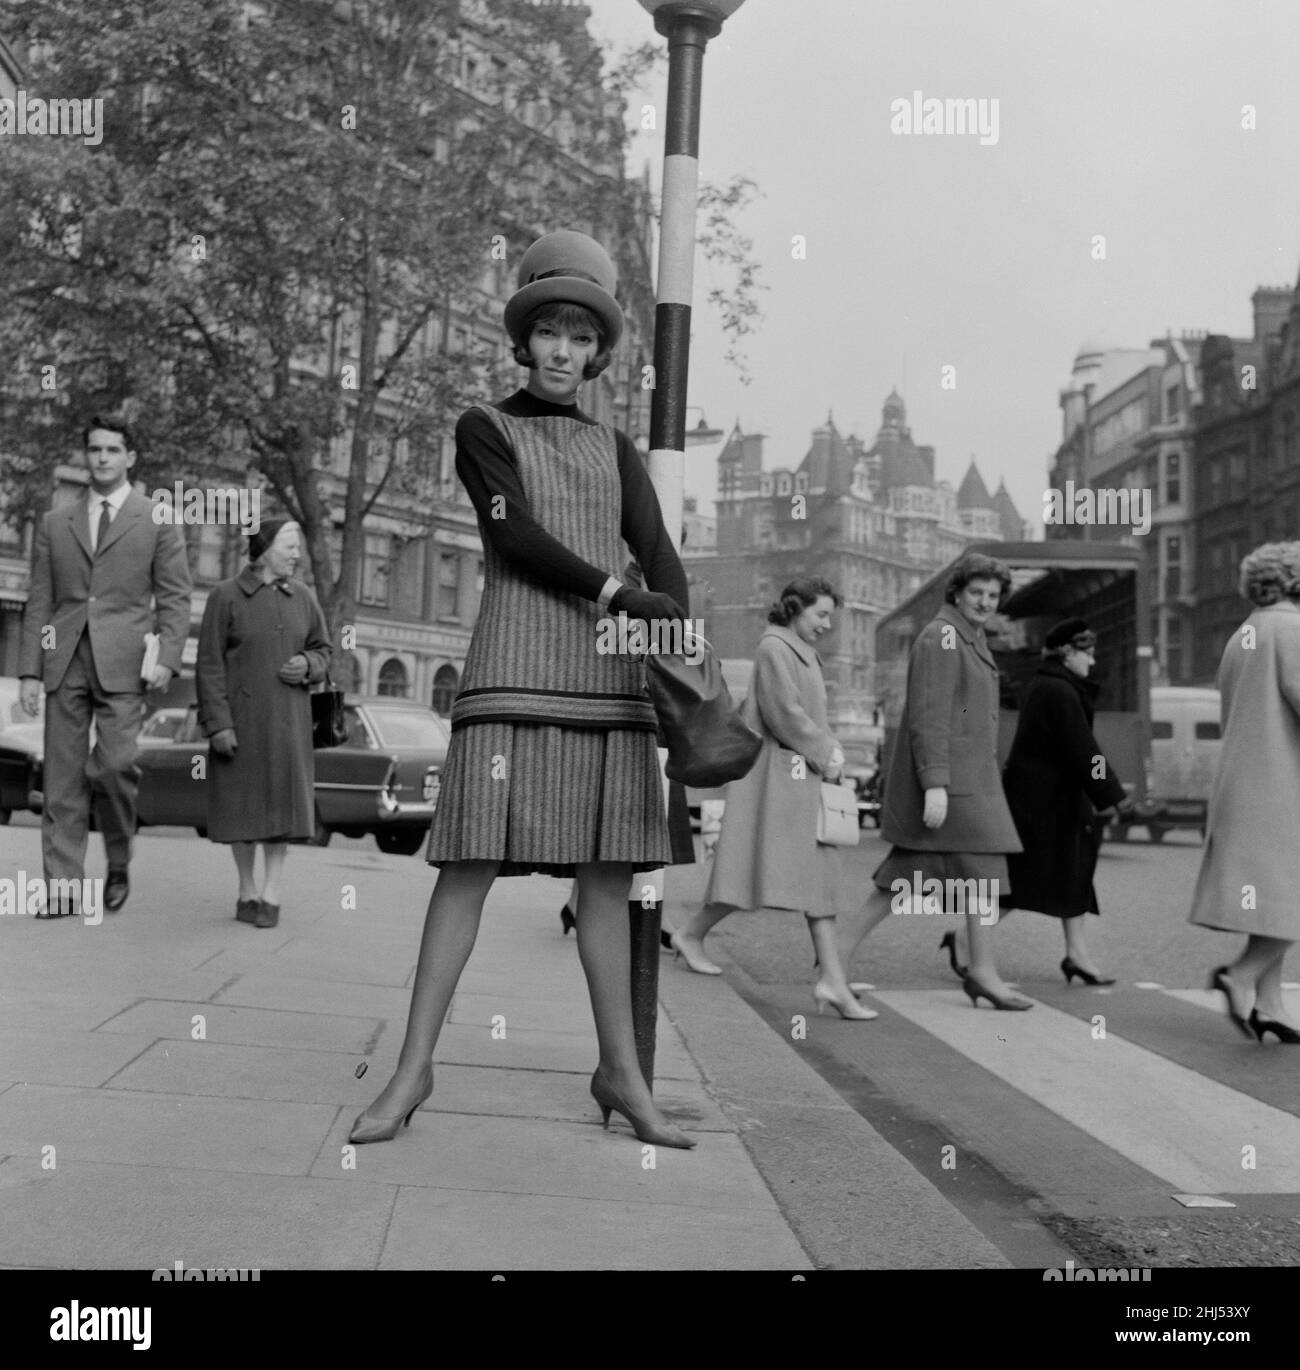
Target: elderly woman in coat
[
  {"x": 1250, "y": 868},
  {"x": 262, "y": 642},
  {"x": 768, "y": 855},
  {"x": 1058, "y": 784},
  {"x": 944, "y": 810}
]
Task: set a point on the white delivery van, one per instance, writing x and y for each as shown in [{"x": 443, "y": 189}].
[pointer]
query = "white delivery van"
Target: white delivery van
[{"x": 1185, "y": 742}]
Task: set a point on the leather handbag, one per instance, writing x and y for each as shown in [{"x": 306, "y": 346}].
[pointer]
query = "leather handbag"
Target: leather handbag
[
  {"x": 708, "y": 742},
  {"x": 328, "y": 726},
  {"x": 837, "y": 817}
]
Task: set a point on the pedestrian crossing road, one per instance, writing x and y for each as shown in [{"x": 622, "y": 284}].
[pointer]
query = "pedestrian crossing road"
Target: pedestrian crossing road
[{"x": 1137, "y": 1111}]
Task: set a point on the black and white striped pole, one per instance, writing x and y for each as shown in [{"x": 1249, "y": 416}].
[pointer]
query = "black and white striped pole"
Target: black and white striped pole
[{"x": 688, "y": 25}]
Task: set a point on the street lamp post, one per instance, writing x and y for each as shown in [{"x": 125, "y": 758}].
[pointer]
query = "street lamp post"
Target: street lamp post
[{"x": 688, "y": 25}]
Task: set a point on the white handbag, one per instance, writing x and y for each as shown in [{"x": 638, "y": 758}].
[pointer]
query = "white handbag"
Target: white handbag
[{"x": 837, "y": 818}]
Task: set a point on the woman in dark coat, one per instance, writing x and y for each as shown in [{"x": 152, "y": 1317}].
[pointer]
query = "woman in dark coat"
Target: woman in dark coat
[
  {"x": 262, "y": 643},
  {"x": 944, "y": 810},
  {"x": 552, "y": 765},
  {"x": 1058, "y": 786}
]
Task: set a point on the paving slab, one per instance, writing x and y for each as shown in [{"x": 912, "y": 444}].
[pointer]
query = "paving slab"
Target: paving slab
[
  {"x": 174, "y": 1019},
  {"x": 441, "y": 1229},
  {"x": 86, "y": 1216},
  {"x": 133, "y": 1127},
  {"x": 58, "y": 1057},
  {"x": 535, "y": 1156},
  {"x": 261, "y": 989},
  {"x": 231, "y": 1071}
]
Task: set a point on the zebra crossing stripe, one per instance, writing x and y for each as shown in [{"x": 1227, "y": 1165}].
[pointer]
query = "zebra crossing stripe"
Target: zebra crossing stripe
[{"x": 1194, "y": 1133}]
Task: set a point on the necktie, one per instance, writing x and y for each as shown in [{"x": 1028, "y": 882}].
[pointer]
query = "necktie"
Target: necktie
[{"x": 105, "y": 522}]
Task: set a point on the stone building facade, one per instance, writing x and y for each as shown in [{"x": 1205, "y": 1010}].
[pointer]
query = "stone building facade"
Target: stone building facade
[
  {"x": 872, "y": 519},
  {"x": 1247, "y": 456}
]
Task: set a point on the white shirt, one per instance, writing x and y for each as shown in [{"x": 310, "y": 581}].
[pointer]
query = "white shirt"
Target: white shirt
[{"x": 96, "y": 504}]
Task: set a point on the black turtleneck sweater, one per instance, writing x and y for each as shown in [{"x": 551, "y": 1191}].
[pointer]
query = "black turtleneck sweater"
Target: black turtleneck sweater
[{"x": 487, "y": 467}]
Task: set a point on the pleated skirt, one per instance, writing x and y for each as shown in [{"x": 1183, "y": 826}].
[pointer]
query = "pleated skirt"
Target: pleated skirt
[{"x": 542, "y": 799}]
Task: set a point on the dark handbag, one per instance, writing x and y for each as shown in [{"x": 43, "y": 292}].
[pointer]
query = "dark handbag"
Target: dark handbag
[
  {"x": 328, "y": 726},
  {"x": 708, "y": 742}
]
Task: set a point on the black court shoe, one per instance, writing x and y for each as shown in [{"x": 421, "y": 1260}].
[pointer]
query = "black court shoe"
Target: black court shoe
[
  {"x": 949, "y": 944},
  {"x": 1281, "y": 1031},
  {"x": 1070, "y": 969},
  {"x": 1219, "y": 981}
]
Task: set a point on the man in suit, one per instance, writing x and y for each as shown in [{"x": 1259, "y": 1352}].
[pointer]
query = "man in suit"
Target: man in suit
[{"x": 104, "y": 574}]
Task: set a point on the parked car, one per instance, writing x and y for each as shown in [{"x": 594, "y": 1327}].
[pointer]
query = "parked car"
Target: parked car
[
  {"x": 384, "y": 779},
  {"x": 21, "y": 747},
  {"x": 10, "y": 709},
  {"x": 1186, "y": 739},
  {"x": 163, "y": 725}
]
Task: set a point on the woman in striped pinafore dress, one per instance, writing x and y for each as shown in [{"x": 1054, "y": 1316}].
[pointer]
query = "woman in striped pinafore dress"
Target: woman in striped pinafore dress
[{"x": 553, "y": 765}]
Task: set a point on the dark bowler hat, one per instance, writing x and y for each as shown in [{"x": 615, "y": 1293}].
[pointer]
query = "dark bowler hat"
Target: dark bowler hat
[
  {"x": 570, "y": 266},
  {"x": 1073, "y": 632}
]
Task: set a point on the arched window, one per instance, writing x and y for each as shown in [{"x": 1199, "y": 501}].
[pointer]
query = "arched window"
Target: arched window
[
  {"x": 445, "y": 684},
  {"x": 783, "y": 484},
  {"x": 392, "y": 679}
]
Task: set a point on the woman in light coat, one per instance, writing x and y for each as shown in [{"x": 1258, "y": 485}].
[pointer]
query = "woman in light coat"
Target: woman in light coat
[
  {"x": 944, "y": 809},
  {"x": 1250, "y": 868},
  {"x": 768, "y": 855}
]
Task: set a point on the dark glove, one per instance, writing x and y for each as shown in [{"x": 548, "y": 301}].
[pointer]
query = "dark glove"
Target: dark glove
[
  {"x": 646, "y": 604},
  {"x": 223, "y": 743}
]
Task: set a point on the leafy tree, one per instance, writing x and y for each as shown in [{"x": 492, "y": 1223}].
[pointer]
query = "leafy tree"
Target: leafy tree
[{"x": 290, "y": 209}]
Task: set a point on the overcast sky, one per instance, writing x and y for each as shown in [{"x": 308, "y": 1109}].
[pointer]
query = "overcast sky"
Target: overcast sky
[{"x": 1121, "y": 118}]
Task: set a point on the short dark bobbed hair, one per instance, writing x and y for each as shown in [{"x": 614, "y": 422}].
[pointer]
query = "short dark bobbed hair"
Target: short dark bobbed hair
[
  {"x": 564, "y": 314},
  {"x": 798, "y": 595},
  {"x": 110, "y": 423},
  {"x": 976, "y": 566}
]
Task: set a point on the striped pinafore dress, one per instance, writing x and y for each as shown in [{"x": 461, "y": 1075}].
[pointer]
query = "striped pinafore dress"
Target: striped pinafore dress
[{"x": 553, "y": 760}]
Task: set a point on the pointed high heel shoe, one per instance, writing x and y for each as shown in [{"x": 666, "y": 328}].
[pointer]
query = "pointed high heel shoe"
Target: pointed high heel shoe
[
  {"x": 698, "y": 962},
  {"x": 1070, "y": 969},
  {"x": 371, "y": 1129},
  {"x": 858, "y": 1013},
  {"x": 610, "y": 1101},
  {"x": 1281, "y": 1031},
  {"x": 976, "y": 991},
  {"x": 948, "y": 943},
  {"x": 567, "y": 921},
  {"x": 1219, "y": 981}
]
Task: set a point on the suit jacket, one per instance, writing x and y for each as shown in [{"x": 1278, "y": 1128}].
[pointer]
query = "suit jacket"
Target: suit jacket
[
  {"x": 138, "y": 583},
  {"x": 948, "y": 739}
]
